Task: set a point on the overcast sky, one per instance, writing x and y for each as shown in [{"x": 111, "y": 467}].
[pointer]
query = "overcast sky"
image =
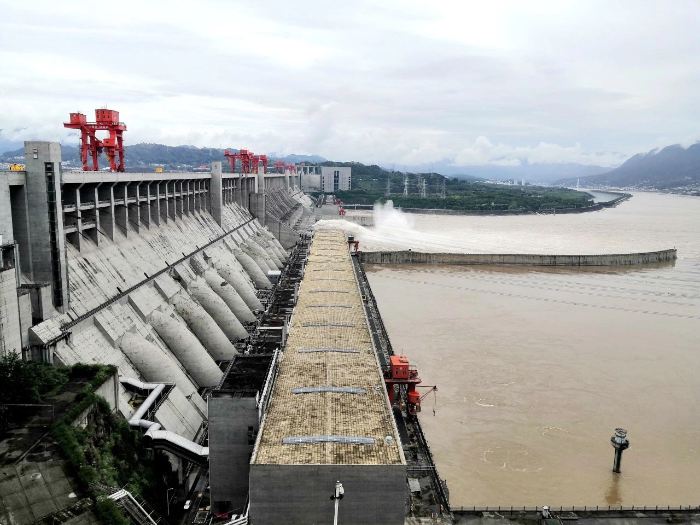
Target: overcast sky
[{"x": 405, "y": 82}]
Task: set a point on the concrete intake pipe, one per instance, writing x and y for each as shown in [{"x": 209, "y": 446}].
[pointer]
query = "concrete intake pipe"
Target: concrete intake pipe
[
  {"x": 217, "y": 308},
  {"x": 252, "y": 269},
  {"x": 187, "y": 348},
  {"x": 228, "y": 294},
  {"x": 231, "y": 270},
  {"x": 205, "y": 328},
  {"x": 262, "y": 256},
  {"x": 154, "y": 364}
]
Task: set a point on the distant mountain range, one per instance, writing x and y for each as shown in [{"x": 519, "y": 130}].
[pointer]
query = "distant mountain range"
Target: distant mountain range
[
  {"x": 140, "y": 156},
  {"x": 674, "y": 168}
]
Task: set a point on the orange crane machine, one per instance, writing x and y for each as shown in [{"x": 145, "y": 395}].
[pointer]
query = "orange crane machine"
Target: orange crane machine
[
  {"x": 105, "y": 120},
  {"x": 402, "y": 374}
]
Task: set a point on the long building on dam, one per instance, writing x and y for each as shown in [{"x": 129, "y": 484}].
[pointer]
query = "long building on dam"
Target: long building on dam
[{"x": 244, "y": 343}]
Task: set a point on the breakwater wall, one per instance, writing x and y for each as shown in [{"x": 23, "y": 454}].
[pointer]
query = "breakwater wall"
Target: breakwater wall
[{"x": 525, "y": 259}]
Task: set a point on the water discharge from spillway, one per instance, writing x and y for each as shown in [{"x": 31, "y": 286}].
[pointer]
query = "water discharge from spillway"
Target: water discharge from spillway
[{"x": 394, "y": 230}]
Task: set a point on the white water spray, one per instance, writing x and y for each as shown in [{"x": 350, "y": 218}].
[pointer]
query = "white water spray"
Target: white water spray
[{"x": 392, "y": 230}]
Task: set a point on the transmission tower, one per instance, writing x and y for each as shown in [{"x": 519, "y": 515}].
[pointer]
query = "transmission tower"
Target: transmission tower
[
  {"x": 423, "y": 184},
  {"x": 443, "y": 192},
  {"x": 405, "y": 183},
  {"x": 388, "y": 185}
]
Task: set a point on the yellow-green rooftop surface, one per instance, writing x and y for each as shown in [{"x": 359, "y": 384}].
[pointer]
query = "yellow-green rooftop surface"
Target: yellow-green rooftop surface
[{"x": 329, "y": 295}]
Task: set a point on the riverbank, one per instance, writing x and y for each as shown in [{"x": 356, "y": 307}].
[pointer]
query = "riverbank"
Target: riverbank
[
  {"x": 624, "y": 259},
  {"x": 548, "y": 211}
]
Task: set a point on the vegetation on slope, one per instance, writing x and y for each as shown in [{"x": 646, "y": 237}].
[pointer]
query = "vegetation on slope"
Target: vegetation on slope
[
  {"x": 479, "y": 197},
  {"x": 107, "y": 450}
]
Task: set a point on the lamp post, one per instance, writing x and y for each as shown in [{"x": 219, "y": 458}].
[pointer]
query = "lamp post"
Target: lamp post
[
  {"x": 167, "y": 498},
  {"x": 337, "y": 496}
]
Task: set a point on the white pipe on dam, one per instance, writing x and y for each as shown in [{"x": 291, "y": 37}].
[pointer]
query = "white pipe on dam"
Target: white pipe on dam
[
  {"x": 205, "y": 328},
  {"x": 270, "y": 236},
  {"x": 252, "y": 269},
  {"x": 217, "y": 308},
  {"x": 235, "y": 278},
  {"x": 224, "y": 260},
  {"x": 259, "y": 261},
  {"x": 187, "y": 348},
  {"x": 256, "y": 249},
  {"x": 262, "y": 242},
  {"x": 274, "y": 243},
  {"x": 228, "y": 293},
  {"x": 154, "y": 364}
]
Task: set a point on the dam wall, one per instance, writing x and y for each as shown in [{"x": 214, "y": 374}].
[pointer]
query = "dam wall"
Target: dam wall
[
  {"x": 143, "y": 271},
  {"x": 411, "y": 257}
]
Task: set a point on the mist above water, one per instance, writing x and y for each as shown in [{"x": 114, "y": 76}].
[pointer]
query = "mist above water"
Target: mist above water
[
  {"x": 394, "y": 230},
  {"x": 647, "y": 222}
]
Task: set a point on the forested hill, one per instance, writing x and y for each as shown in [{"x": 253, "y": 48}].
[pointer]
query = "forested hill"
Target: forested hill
[
  {"x": 673, "y": 168},
  {"x": 148, "y": 156}
]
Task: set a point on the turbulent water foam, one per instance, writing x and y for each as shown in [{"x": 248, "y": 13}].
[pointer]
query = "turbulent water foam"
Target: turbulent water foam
[{"x": 394, "y": 230}]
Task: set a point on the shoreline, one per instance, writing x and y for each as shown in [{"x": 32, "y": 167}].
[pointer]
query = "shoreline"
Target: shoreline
[{"x": 549, "y": 211}]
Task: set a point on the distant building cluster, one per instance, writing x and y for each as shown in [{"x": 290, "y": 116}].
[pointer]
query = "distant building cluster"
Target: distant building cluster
[{"x": 327, "y": 179}]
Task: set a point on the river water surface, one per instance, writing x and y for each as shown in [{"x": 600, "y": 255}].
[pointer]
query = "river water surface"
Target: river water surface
[{"x": 537, "y": 367}]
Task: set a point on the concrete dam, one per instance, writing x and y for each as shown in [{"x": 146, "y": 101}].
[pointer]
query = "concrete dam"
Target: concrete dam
[
  {"x": 250, "y": 350},
  {"x": 246, "y": 346}
]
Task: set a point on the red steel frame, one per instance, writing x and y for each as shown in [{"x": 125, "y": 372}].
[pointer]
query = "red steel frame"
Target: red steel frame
[{"x": 105, "y": 120}]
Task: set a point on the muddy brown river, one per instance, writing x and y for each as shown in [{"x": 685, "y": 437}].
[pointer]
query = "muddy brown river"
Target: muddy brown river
[{"x": 537, "y": 367}]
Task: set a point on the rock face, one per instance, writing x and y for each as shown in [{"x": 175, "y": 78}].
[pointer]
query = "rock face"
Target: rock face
[
  {"x": 187, "y": 348},
  {"x": 217, "y": 308},
  {"x": 205, "y": 328}
]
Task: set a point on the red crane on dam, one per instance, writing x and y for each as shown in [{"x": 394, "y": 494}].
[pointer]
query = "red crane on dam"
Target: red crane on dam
[
  {"x": 249, "y": 162},
  {"x": 401, "y": 373},
  {"x": 113, "y": 146}
]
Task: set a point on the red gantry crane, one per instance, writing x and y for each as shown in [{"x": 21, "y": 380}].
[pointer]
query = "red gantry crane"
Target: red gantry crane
[
  {"x": 400, "y": 373},
  {"x": 105, "y": 120},
  {"x": 249, "y": 161}
]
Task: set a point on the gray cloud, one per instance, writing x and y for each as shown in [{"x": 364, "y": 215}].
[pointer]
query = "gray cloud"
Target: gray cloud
[{"x": 405, "y": 82}]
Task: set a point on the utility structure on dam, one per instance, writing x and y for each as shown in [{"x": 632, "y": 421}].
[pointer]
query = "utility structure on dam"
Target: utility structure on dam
[{"x": 243, "y": 345}]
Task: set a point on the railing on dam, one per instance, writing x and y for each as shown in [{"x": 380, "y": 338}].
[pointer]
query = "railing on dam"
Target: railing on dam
[
  {"x": 623, "y": 259},
  {"x": 588, "y": 509}
]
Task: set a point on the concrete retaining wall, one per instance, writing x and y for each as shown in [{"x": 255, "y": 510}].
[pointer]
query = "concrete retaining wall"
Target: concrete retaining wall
[
  {"x": 300, "y": 494},
  {"x": 411, "y": 257}
]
